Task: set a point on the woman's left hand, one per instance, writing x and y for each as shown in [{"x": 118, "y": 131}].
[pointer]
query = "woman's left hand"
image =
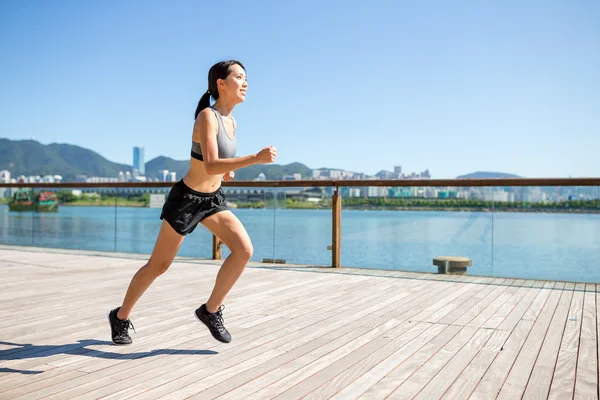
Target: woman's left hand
[{"x": 228, "y": 176}]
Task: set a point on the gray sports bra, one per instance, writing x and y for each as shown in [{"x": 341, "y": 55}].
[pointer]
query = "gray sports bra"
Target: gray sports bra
[{"x": 227, "y": 146}]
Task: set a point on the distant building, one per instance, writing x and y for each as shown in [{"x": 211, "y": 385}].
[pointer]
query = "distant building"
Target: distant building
[
  {"x": 173, "y": 176},
  {"x": 101, "y": 179},
  {"x": 335, "y": 174},
  {"x": 5, "y": 176},
  {"x": 293, "y": 177},
  {"x": 376, "y": 191},
  {"x": 163, "y": 174},
  {"x": 138, "y": 160}
]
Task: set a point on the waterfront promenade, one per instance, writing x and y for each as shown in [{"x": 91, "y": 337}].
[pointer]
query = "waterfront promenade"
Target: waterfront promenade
[{"x": 298, "y": 332}]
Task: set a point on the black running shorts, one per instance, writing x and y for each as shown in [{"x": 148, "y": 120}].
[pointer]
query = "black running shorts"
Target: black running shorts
[{"x": 185, "y": 208}]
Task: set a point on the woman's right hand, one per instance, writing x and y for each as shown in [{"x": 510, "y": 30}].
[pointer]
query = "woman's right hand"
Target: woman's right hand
[{"x": 267, "y": 155}]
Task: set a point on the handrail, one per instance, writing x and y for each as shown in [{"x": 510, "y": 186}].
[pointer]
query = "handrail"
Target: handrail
[{"x": 335, "y": 183}]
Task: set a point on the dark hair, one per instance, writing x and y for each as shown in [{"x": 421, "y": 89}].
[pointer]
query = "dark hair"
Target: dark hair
[{"x": 220, "y": 70}]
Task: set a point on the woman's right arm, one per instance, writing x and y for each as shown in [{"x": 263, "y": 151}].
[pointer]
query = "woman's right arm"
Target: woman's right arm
[{"x": 208, "y": 127}]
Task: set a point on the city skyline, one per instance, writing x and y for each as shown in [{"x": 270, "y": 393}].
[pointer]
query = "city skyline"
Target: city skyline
[{"x": 138, "y": 166}]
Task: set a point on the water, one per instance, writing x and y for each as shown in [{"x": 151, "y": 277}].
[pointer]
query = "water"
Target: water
[{"x": 519, "y": 245}]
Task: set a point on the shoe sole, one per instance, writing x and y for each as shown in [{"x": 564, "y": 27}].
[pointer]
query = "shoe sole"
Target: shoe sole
[
  {"x": 222, "y": 341},
  {"x": 118, "y": 344}
]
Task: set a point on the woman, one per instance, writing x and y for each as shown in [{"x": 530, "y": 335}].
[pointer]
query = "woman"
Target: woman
[{"x": 198, "y": 198}]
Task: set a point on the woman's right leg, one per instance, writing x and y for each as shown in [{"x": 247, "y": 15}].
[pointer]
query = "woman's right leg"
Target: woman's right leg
[{"x": 164, "y": 252}]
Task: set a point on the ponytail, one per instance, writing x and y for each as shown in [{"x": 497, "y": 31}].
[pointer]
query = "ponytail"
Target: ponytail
[{"x": 203, "y": 103}]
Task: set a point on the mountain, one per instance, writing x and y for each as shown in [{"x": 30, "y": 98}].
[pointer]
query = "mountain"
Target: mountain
[
  {"x": 487, "y": 175},
  {"x": 161, "y": 163},
  {"x": 29, "y": 157},
  {"x": 271, "y": 171}
]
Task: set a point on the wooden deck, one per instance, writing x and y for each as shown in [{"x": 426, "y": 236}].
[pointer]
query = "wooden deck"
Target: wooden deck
[{"x": 298, "y": 332}]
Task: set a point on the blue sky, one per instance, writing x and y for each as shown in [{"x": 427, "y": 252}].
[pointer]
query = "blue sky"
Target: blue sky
[{"x": 453, "y": 87}]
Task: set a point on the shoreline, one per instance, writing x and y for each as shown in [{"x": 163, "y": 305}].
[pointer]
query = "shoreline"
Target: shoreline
[
  {"x": 553, "y": 210},
  {"x": 134, "y": 205},
  {"x": 474, "y": 209},
  {"x": 443, "y": 209}
]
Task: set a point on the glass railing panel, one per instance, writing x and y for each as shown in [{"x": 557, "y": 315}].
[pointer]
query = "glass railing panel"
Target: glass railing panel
[
  {"x": 17, "y": 216},
  {"x": 75, "y": 218},
  {"x": 302, "y": 225},
  {"x": 405, "y": 228},
  {"x": 549, "y": 233},
  {"x": 255, "y": 207}
]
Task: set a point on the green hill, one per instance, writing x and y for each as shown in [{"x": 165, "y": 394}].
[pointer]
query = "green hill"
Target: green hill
[
  {"x": 29, "y": 157},
  {"x": 271, "y": 171}
]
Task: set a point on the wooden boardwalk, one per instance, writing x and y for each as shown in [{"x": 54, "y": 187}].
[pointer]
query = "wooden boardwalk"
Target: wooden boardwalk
[{"x": 298, "y": 332}]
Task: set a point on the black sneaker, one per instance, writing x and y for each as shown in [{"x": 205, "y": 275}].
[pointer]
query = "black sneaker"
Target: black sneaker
[
  {"x": 119, "y": 328},
  {"x": 214, "y": 322}
]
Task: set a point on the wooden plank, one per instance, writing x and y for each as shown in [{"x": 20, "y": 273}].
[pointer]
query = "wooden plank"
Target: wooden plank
[
  {"x": 399, "y": 363},
  {"x": 424, "y": 372},
  {"x": 446, "y": 304},
  {"x": 271, "y": 374},
  {"x": 526, "y": 304},
  {"x": 473, "y": 302},
  {"x": 298, "y": 332},
  {"x": 183, "y": 384},
  {"x": 281, "y": 325},
  {"x": 129, "y": 369},
  {"x": 523, "y": 295},
  {"x": 212, "y": 375},
  {"x": 245, "y": 383},
  {"x": 467, "y": 381},
  {"x": 490, "y": 309},
  {"x": 517, "y": 379},
  {"x": 446, "y": 375},
  {"x": 492, "y": 380},
  {"x": 293, "y": 367},
  {"x": 145, "y": 377},
  {"x": 397, "y": 369},
  {"x": 306, "y": 370},
  {"x": 337, "y": 375},
  {"x": 540, "y": 378},
  {"x": 40, "y": 385},
  {"x": 586, "y": 382},
  {"x": 483, "y": 304},
  {"x": 563, "y": 382}
]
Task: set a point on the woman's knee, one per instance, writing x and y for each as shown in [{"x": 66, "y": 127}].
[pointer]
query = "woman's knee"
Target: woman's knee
[
  {"x": 244, "y": 250},
  {"x": 158, "y": 267}
]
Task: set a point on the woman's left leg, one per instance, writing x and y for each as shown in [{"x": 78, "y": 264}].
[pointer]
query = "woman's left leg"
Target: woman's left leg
[{"x": 226, "y": 226}]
